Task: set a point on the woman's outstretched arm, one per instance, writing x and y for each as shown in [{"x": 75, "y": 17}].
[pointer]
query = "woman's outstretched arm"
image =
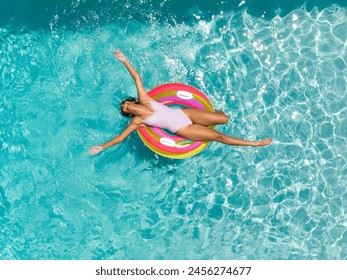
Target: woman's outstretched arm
[
  {"x": 141, "y": 92},
  {"x": 134, "y": 124}
]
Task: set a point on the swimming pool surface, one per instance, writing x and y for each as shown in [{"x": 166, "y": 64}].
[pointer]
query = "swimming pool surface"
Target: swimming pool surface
[{"x": 277, "y": 68}]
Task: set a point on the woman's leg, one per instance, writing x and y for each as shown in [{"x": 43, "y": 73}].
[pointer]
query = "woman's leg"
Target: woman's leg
[
  {"x": 203, "y": 133},
  {"x": 206, "y": 118}
]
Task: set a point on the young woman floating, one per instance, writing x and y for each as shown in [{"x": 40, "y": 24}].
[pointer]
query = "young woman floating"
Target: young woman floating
[{"x": 188, "y": 123}]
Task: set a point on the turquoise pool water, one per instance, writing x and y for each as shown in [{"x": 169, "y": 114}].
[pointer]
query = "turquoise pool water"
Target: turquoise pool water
[{"x": 278, "y": 70}]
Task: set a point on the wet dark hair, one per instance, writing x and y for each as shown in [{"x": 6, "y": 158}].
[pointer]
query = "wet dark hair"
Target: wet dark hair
[{"x": 131, "y": 99}]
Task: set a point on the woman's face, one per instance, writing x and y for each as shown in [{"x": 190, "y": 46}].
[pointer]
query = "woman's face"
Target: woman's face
[{"x": 128, "y": 107}]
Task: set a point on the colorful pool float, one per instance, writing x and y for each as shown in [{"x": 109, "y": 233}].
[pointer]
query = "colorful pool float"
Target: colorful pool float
[{"x": 164, "y": 142}]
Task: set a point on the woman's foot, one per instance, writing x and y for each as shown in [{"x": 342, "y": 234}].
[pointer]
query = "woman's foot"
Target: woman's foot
[{"x": 264, "y": 142}]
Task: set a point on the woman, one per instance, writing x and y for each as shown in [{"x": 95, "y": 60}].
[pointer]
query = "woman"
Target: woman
[{"x": 188, "y": 123}]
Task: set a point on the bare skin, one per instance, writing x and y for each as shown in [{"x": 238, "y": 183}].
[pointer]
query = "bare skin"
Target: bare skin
[{"x": 199, "y": 130}]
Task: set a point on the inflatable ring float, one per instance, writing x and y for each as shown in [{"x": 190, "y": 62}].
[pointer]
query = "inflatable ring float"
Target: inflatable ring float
[{"x": 164, "y": 142}]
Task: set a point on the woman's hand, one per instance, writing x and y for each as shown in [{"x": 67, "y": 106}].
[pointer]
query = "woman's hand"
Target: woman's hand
[
  {"x": 95, "y": 150},
  {"x": 120, "y": 56}
]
